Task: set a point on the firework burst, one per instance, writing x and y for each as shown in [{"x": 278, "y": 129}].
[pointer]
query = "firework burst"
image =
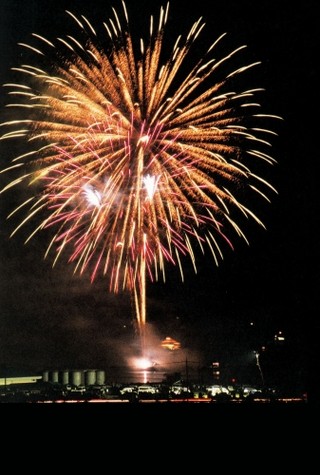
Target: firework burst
[{"x": 130, "y": 166}]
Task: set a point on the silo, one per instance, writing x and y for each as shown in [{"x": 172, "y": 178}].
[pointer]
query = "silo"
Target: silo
[
  {"x": 65, "y": 377},
  {"x": 45, "y": 376},
  {"x": 100, "y": 377},
  {"x": 90, "y": 377},
  {"x": 77, "y": 377},
  {"x": 54, "y": 377}
]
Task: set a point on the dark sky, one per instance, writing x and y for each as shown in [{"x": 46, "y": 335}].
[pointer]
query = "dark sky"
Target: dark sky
[{"x": 51, "y": 318}]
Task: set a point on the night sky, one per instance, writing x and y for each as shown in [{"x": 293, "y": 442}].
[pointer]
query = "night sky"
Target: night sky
[{"x": 51, "y": 318}]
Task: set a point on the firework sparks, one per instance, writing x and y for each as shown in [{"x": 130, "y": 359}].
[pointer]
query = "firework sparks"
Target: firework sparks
[{"x": 136, "y": 168}]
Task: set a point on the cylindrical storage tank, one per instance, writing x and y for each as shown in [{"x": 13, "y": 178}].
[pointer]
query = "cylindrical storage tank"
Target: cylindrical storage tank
[
  {"x": 45, "y": 376},
  {"x": 77, "y": 377},
  {"x": 100, "y": 377},
  {"x": 65, "y": 377},
  {"x": 90, "y": 377},
  {"x": 54, "y": 377}
]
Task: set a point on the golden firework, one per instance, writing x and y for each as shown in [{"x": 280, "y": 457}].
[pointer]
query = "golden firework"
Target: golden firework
[{"x": 132, "y": 166}]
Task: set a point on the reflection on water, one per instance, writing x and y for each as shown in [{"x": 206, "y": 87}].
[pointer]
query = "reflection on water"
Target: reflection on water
[{"x": 125, "y": 375}]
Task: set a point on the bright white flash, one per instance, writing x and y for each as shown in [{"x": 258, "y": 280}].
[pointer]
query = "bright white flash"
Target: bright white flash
[
  {"x": 150, "y": 183},
  {"x": 143, "y": 139},
  {"x": 142, "y": 363},
  {"x": 92, "y": 195}
]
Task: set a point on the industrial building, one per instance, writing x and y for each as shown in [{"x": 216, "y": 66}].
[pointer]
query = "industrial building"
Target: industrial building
[
  {"x": 9, "y": 380},
  {"x": 75, "y": 377}
]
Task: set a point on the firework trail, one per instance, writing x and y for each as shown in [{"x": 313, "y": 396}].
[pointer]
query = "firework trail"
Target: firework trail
[{"x": 131, "y": 166}]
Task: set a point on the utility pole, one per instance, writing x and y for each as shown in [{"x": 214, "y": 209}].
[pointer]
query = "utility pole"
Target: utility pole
[{"x": 187, "y": 373}]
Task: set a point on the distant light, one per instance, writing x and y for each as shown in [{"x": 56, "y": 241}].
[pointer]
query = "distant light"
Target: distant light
[{"x": 279, "y": 337}]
